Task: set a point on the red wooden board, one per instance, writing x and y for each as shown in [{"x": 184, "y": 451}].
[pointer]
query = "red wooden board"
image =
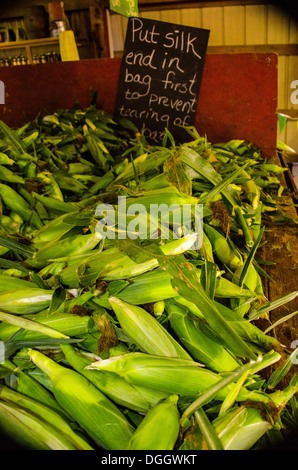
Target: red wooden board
[{"x": 237, "y": 100}]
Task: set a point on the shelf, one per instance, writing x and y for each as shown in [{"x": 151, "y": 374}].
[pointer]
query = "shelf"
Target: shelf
[{"x": 28, "y": 44}]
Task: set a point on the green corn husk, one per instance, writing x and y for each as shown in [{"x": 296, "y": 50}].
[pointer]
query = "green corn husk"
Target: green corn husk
[
  {"x": 54, "y": 205},
  {"x": 11, "y": 282},
  {"x": 251, "y": 282},
  {"x": 145, "y": 331},
  {"x": 148, "y": 287},
  {"x": 171, "y": 375},
  {"x": 142, "y": 164},
  {"x": 240, "y": 427},
  {"x": 54, "y": 432},
  {"x": 211, "y": 440},
  {"x": 14, "y": 202},
  {"x": 156, "y": 285},
  {"x": 94, "y": 412},
  {"x": 159, "y": 429},
  {"x": 72, "y": 245},
  {"x": 22, "y": 382},
  {"x": 5, "y": 160},
  {"x": 69, "y": 324},
  {"x": 30, "y": 432},
  {"x": 119, "y": 265},
  {"x": 112, "y": 385},
  {"x": 168, "y": 196},
  {"x": 24, "y": 301},
  {"x": 30, "y": 325},
  {"x": 9, "y": 176},
  {"x": 157, "y": 182},
  {"x": 222, "y": 249},
  {"x": 51, "y": 231},
  {"x": 85, "y": 271},
  {"x": 199, "y": 345}
]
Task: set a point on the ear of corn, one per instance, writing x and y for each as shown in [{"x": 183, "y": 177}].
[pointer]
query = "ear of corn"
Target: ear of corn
[
  {"x": 52, "y": 418},
  {"x": 13, "y": 201},
  {"x": 26, "y": 324},
  {"x": 157, "y": 285},
  {"x": 24, "y": 412},
  {"x": 29, "y": 386},
  {"x": 72, "y": 245},
  {"x": 210, "y": 437},
  {"x": 251, "y": 282},
  {"x": 11, "y": 282},
  {"x": 119, "y": 265},
  {"x": 222, "y": 249},
  {"x": 85, "y": 271},
  {"x": 145, "y": 331},
  {"x": 148, "y": 287},
  {"x": 51, "y": 231},
  {"x": 94, "y": 412},
  {"x": 171, "y": 375},
  {"x": 29, "y": 431},
  {"x": 66, "y": 323},
  {"x": 53, "y": 177},
  {"x": 24, "y": 301},
  {"x": 159, "y": 429},
  {"x": 200, "y": 346},
  {"x": 112, "y": 385},
  {"x": 240, "y": 428}
]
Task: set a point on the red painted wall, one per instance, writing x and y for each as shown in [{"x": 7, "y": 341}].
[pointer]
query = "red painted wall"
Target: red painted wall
[{"x": 238, "y": 95}]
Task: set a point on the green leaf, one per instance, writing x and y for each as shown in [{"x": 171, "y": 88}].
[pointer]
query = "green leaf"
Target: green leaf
[
  {"x": 59, "y": 296},
  {"x": 250, "y": 258},
  {"x": 16, "y": 247},
  {"x": 176, "y": 175},
  {"x": 209, "y": 278},
  {"x": 276, "y": 303},
  {"x": 204, "y": 168},
  {"x": 184, "y": 280},
  {"x": 211, "y": 438},
  {"x": 278, "y": 375},
  {"x": 38, "y": 280},
  {"x": 8, "y": 264},
  {"x": 26, "y": 324},
  {"x": 221, "y": 186}
]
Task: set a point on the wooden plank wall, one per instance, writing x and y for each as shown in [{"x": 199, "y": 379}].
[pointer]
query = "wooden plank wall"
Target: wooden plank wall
[{"x": 238, "y": 25}]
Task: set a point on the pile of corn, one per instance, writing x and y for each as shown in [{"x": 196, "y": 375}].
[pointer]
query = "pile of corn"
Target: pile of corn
[{"x": 134, "y": 344}]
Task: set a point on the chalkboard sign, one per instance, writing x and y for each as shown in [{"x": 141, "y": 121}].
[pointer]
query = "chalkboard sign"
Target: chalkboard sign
[{"x": 160, "y": 77}]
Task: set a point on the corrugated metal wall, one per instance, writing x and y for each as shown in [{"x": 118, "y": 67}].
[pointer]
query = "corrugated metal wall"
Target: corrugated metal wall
[{"x": 236, "y": 26}]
